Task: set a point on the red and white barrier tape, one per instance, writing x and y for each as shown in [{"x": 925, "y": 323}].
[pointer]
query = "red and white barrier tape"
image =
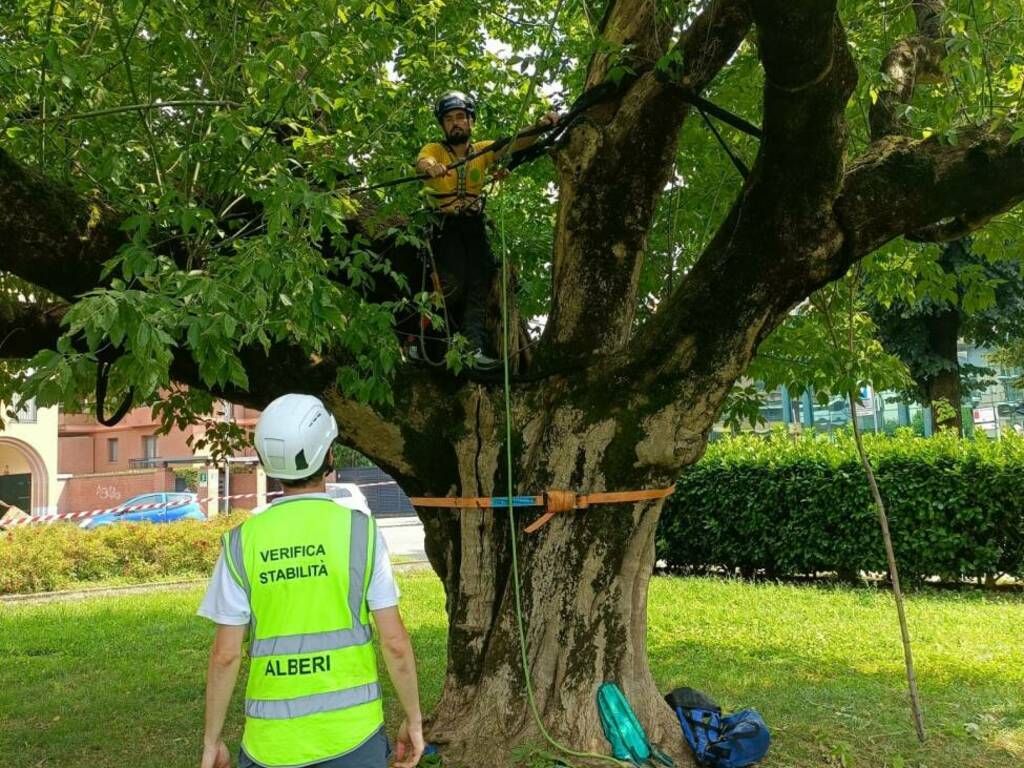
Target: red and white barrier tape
[{"x": 47, "y": 519}]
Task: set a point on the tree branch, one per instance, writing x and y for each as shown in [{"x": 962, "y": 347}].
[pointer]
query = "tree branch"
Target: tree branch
[
  {"x": 55, "y": 239},
  {"x": 912, "y": 60},
  {"x": 802, "y": 221},
  {"x": 632, "y": 24},
  {"x": 776, "y": 242},
  {"x": 52, "y": 237},
  {"x": 26, "y": 328},
  {"x": 611, "y": 175},
  {"x": 915, "y": 59},
  {"x": 709, "y": 42},
  {"x": 780, "y": 232},
  {"x": 901, "y": 186}
]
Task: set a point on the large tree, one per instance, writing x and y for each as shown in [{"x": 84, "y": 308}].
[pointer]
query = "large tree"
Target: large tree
[
  {"x": 972, "y": 298},
  {"x": 204, "y": 240}
]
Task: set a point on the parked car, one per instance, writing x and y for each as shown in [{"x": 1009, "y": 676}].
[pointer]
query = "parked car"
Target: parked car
[
  {"x": 349, "y": 495},
  {"x": 174, "y": 506}
]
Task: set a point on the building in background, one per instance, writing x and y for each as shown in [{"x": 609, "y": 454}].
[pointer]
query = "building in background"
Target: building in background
[
  {"x": 104, "y": 466},
  {"x": 995, "y": 410},
  {"x": 384, "y": 495},
  {"x": 28, "y": 460}
]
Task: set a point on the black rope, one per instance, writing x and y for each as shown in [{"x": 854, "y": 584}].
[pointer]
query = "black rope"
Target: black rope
[
  {"x": 102, "y": 380},
  {"x": 732, "y": 156},
  {"x": 597, "y": 95},
  {"x": 724, "y": 115}
]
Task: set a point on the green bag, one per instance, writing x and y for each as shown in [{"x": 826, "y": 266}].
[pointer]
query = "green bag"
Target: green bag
[{"x": 623, "y": 730}]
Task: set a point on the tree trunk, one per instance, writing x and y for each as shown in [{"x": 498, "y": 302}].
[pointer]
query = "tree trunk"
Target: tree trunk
[
  {"x": 943, "y": 329},
  {"x": 944, "y": 390},
  {"x": 584, "y": 583}
]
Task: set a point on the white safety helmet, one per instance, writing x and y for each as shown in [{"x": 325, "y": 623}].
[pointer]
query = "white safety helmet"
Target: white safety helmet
[{"x": 293, "y": 436}]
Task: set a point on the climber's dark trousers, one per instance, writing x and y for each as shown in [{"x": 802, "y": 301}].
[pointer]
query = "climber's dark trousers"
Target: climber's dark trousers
[{"x": 466, "y": 266}]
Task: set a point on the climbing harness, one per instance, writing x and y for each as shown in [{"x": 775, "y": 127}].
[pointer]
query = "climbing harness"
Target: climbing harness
[
  {"x": 438, "y": 288},
  {"x": 435, "y": 278}
]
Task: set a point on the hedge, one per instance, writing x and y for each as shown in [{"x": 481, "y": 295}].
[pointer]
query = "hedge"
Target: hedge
[
  {"x": 39, "y": 558},
  {"x": 787, "y": 506}
]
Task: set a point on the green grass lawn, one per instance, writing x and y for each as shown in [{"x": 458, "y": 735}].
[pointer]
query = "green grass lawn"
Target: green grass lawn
[{"x": 118, "y": 681}]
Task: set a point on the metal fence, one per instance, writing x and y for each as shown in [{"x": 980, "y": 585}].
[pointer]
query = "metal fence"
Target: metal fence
[{"x": 385, "y": 497}]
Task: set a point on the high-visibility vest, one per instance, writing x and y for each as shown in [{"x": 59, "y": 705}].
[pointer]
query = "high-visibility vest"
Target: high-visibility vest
[{"x": 313, "y": 692}]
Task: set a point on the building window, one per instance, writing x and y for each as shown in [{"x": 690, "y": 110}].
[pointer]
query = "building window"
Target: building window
[
  {"x": 111, "y": 449},
  {"x": 149, "y": 447},
  {"x": 25, "y": 413}
]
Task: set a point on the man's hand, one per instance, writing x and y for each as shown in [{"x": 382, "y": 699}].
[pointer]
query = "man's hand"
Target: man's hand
[
  {"x": 410, "y": 745},
  {"x": 551, "y": 118},
  {"x": 216, "y": 755},
  {"x": 436, "y": 170}
]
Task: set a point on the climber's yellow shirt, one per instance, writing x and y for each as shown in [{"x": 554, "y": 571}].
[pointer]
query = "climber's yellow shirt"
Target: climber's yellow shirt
[{"x": 460, "y": 188}]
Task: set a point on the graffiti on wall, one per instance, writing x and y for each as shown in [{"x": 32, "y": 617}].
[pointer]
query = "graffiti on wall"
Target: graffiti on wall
[{"x": 108, "y": 492}]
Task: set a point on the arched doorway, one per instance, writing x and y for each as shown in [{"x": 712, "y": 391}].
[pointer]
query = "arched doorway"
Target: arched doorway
[{"x": 24, "y": 481}]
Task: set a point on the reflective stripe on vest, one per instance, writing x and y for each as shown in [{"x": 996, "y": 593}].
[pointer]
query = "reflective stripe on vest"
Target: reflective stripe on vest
[
  {"x": 313, "y": 691},
  {"x": 283, "y": 709},
  {"x": 310, "y": 643}
]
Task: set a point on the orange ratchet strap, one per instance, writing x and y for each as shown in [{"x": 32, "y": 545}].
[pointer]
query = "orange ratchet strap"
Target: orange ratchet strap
[{"x": 552, "y": 501}]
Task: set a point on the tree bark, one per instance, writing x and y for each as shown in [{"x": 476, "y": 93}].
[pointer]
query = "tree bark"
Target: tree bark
[{"x": 943, "y": 389}]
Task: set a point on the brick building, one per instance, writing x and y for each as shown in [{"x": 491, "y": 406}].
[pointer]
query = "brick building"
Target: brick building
[{"x": 104, "y": 466}]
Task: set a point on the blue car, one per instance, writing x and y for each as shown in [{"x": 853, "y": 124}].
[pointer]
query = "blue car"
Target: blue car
[{"x": 174, "y": 506}]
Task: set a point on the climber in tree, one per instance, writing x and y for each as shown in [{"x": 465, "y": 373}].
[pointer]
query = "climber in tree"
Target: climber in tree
[{"x": 458, "y": 238}]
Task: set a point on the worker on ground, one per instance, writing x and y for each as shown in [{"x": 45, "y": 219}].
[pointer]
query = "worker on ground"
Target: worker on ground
[
  {"x": 304, "y": 576},
  {"x": 458, "y": 239}
]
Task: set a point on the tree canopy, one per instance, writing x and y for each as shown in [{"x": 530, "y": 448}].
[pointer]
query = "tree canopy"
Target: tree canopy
[{"x": 169, "y": 116}]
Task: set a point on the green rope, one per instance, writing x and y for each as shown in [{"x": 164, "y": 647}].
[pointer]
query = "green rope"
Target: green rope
[{"x": 513, "y": 530}]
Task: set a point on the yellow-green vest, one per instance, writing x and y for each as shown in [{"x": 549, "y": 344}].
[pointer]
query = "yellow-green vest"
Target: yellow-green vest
[{"x": 313, "y": 692}]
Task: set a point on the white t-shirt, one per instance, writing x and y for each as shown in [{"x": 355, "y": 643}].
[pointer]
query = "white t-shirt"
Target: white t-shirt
[{"x": 226, "y": 602}]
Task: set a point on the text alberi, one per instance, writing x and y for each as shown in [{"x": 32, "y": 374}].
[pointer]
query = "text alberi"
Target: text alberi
[{"x": 304, "y": 666}]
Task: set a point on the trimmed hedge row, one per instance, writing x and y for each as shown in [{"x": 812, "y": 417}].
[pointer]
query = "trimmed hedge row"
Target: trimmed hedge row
[
  {"x": 786, "y": 506},
  {"x": 42, "y": 558}
]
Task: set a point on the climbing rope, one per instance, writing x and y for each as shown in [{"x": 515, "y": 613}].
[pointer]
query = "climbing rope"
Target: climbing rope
[
  {"x": 435, "y": 278},
  {"x": 512, "y": 528}
]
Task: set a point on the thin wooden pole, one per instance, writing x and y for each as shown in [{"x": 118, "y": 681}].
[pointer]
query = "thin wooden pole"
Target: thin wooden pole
[{"x": 894, "y": 575}]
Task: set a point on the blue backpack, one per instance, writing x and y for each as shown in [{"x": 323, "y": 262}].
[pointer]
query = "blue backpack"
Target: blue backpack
[
  {"x": 734, "y": 741},
  {"x": 623, "y": 730}
]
